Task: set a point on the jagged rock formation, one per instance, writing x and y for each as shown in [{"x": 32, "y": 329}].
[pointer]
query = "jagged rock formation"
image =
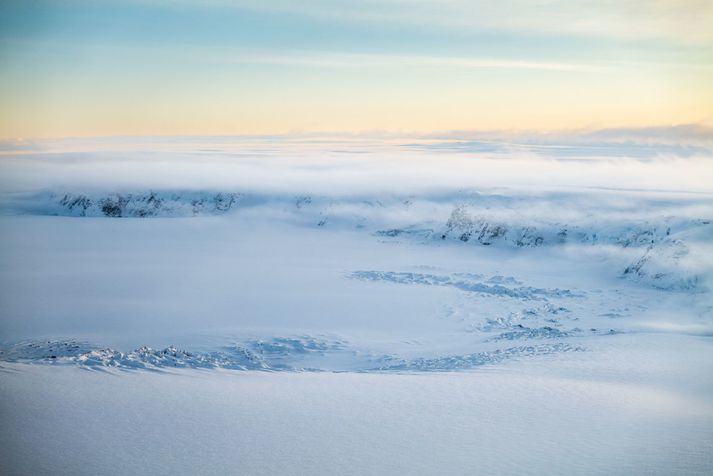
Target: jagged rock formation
[
  {"x": 278, "y": 354},
  {"x": 151, "y": 204}
]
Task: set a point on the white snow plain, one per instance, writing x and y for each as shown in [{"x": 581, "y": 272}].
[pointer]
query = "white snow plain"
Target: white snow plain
[{"x": 357, "y": 306}]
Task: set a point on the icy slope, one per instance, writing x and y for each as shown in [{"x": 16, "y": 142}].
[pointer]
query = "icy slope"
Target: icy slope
[{"x": 624, "y": 412}]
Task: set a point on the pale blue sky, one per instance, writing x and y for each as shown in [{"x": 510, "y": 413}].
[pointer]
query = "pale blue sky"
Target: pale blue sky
[{"x": 230, "y": 67}]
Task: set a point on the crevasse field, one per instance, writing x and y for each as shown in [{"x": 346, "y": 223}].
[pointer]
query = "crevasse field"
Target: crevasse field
[{"x": 353, "y": 305}]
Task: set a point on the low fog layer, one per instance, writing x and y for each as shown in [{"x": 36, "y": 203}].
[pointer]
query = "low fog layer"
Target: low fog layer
[{"x": 341, "y": 166}]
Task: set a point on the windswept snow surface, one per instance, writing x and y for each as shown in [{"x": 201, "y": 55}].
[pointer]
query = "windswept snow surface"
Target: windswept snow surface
[{"x": 357, "y": 306}]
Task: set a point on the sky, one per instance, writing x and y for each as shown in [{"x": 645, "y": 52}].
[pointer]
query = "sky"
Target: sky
[{"x": 79, "y": 68}]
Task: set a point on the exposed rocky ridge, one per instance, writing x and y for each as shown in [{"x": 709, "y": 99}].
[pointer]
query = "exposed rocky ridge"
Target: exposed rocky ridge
[
  {"x": 278, "y": 354},
  {"x": 468, "y": 223},
  {"x": 150, "y": 204},
  {"x": 659, "y": 248}
]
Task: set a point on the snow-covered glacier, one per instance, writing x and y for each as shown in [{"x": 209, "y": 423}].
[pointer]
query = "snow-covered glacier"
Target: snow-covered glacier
[{"x": 357, "y": 305}]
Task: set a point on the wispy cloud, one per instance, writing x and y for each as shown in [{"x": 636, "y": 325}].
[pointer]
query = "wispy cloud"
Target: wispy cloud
[
  {"x": 680, "y": 21},
  {"x": 309, "y": 58},
  {"x": 350, "y": 60}
]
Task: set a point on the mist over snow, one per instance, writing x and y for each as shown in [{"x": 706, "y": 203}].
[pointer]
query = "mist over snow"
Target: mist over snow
[
  {"x": 500, "y": 292},
  {"x": 638, "y": 201}
]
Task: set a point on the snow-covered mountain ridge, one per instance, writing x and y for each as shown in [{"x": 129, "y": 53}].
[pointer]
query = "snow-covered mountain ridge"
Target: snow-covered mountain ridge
[{"x": 654, "y": 247}]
